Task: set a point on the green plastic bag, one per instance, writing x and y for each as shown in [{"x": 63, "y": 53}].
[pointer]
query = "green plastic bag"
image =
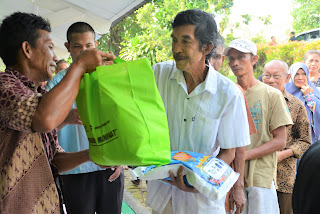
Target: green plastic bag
[{"x": 124, "y": 116}]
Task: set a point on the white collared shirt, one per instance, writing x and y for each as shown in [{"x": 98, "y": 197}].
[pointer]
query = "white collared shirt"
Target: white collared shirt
[{"x": 213, "y": 115}]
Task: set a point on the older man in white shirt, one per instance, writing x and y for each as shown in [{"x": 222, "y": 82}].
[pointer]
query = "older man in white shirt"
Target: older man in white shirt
[{"x": 206, "y": 111}]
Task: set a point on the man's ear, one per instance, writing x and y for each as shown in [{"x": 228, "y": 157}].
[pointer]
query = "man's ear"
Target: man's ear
[
  {"x": 26, "y": 49},
  {"x": 66, "y": 44},
  {"x": 288, "y": 78},
  {"x": 206, "y": 48},
  {"x": 254, "y": 59},
  {"x": 95, "y": 43},
  {"x": 223, "y": 58}
]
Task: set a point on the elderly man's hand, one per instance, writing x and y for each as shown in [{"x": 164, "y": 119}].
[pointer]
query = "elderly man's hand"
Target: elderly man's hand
[
  {"x": 237, "y": 199},
  {"x": 73, "y": 117},
  {"x": 90, "y": 58},
  {"x": 179, "y": 182},
  {"x": 116, "y": 173}
]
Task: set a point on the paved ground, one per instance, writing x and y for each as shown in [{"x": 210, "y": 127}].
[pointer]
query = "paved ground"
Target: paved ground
[{"x": 134, "y": 196}]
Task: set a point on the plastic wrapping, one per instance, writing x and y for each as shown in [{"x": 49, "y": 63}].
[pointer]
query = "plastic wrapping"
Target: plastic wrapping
[{"x": 211, "y": 176}]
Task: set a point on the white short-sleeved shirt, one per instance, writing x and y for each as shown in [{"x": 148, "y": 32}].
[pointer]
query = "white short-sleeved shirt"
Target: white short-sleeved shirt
[{"x": 213, "y": 115}]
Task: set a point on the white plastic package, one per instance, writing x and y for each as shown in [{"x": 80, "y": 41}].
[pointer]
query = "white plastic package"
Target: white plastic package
[{"x": 212, "y": 177}]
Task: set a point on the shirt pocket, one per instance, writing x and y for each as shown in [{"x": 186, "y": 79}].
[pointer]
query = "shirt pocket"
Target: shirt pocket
[{"x": 207, "y": 129}]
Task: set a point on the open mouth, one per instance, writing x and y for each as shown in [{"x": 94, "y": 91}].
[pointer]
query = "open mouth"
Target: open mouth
[{"x": 53, "y": 68}]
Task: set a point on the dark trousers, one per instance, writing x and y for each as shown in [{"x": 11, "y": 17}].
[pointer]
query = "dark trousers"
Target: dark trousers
[
  {"x": 285, "y": 202},
  {"x": 88, "y": 193}
]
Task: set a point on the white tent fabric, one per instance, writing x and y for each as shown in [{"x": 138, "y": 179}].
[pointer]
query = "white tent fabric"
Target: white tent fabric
[{"x": 100, "y": 14}]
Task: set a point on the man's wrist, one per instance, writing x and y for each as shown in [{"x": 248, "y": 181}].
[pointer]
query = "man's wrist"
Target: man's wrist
[
  {"x": 78, "y": 64},
  {"x": 246, "y": 155},
  {"x": 238, "y": 185},
  {"x": 89, "y": 158}
]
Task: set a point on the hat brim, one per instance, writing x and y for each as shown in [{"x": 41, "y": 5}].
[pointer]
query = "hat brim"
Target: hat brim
[{"x": 243, "y": 50}]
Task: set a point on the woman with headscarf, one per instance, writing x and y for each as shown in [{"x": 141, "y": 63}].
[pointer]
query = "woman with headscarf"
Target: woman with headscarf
[{"x": 301, "y": 87}]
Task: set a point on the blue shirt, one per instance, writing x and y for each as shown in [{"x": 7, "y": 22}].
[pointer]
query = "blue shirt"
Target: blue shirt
[{"x": 73, "y": 138}]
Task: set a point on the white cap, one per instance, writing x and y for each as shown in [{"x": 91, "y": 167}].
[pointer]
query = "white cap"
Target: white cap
[{"x": 242, "y": 45}]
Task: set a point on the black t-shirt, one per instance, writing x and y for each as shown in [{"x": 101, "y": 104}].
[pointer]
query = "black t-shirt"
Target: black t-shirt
[
  {"x": 293, "y": 38},
  {"x": 306, "y": 189}
]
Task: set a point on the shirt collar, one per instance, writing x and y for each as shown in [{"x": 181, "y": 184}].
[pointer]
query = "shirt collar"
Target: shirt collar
[
  {"x": 285, "y": 94},
  {"x": 176, "y": 74},
  {"x": 209, "y": 84},
  {"x": 25, "y": 80},
  {"x": 211, "y": 80}
]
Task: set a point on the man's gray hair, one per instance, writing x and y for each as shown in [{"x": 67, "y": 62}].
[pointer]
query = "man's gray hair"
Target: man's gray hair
[
  {"x": 220, "y": 42},
  {"x": 283, "y": 64}
]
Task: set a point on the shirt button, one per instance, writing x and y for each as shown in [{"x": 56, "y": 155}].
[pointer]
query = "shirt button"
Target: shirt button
[
  {"x": 188, "y": 98},
  {"x": 185, "y": 119}
]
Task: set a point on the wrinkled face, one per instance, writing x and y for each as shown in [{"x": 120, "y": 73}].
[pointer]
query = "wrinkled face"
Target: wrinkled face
[
  {"x": 300, "y": 79},
  {"x": 241, "y": 63},
  {"x": 80, "y": 42},
  {"x": 61, "y": 66},
  {"x": 313, "y": 63},
  {"x": 43, "y": 59},
  {"x": 185, "y": 48},
  {"x": 217, "y": 59},
  {"x": 275, "y": 76}
]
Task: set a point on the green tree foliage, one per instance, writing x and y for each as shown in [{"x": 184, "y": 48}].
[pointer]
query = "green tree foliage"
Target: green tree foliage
[
  {"x": 154, "y": 19},
  {"x": 306, "y": 15},
  {"x": 146, "y": 33},
  {"x": 124, "y": 29},
  {"x": 222, "y": 8},
  {"x": 259, "y": 39},
  {"x": 265, "y": 20},
  {"x": 247, "y": 18}
]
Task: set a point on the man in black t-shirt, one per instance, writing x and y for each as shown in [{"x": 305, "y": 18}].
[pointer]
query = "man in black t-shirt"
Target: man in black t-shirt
[{"x": 292, "y": 37}]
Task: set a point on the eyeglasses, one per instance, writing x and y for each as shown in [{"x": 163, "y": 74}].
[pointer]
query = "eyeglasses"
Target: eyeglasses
[
  {"x": 268, "y": 76},
  {"x": 217, "y": 56}
]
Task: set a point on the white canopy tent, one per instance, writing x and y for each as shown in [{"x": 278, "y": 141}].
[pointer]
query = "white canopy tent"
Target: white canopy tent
[{"x": 100, "y": 14}]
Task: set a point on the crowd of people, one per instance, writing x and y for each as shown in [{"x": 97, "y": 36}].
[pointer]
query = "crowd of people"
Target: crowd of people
[{"x": 261, "y": 128}]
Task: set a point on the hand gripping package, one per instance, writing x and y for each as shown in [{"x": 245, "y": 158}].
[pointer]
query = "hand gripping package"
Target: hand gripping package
[{"x": 211, "y": 176}]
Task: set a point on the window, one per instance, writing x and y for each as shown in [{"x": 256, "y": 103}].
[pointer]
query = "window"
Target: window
[
  {"x": 301, "y": 37},
  {"x": 309, "y": 35},
  {"x": 313, "y": 35}
]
